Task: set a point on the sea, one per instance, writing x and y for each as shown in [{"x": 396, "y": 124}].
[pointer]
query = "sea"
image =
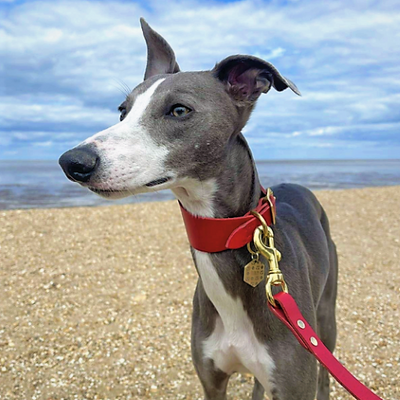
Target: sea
[{"x": 42, "y": 184}]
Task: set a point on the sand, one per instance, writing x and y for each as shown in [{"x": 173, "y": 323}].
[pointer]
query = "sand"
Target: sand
[{"x": 95, "y": 303}]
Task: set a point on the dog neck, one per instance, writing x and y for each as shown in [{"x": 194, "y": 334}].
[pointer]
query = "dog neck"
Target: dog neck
[{"x": 231, "y": 192}]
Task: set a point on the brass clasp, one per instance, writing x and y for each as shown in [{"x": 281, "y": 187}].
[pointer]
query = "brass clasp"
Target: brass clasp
[{"x": 264, "y": 243}]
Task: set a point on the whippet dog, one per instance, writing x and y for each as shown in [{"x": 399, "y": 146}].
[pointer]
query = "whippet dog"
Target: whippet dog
[{"x": 182, "y": 131}]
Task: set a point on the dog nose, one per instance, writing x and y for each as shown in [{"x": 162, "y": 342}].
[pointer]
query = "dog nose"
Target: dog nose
[{"x": 79, "y": 163}]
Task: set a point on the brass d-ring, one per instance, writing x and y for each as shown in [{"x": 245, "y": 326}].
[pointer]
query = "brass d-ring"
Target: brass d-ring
[{"x": 263, "y": 222}]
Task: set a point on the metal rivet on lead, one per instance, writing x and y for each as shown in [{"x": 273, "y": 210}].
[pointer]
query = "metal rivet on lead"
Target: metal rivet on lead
[
  {"x": 313, "y": 341},
  {"x": 301, "y": 324}
]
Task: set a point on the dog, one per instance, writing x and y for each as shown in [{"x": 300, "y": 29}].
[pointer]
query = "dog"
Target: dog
[{"x": 182, "y": 131}]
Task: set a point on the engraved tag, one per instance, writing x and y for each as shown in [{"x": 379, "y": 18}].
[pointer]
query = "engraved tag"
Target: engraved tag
[{"x": 254, "y": 272}]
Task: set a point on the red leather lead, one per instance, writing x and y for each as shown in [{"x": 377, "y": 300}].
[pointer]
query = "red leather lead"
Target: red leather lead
[
  {"x": 289, "y": 314},
  {"x": 218, "y": 234}
]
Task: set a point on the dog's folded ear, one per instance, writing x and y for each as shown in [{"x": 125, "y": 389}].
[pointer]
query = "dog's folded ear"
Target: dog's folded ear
[
  {"x": 247, "y": 77},
  {"x": 160, "y": 56}
]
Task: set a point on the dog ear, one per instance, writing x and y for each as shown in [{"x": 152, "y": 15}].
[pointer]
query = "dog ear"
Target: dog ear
[
  {"x": 160, "y": 56},
  {"x": 247, "y": 77}
]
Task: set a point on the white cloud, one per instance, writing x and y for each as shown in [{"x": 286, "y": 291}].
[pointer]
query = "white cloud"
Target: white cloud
[
  {"x": 273, "y": 54},
  {"x": 48, "y": 143},
  {"x": 63, "y": 69},
  {"x": 68, "y": 111}
]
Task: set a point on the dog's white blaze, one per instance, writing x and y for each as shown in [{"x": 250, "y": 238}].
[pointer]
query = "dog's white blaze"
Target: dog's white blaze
[
  {"x": 129, "y": 154},
  {"x": 233, "y": 344}
]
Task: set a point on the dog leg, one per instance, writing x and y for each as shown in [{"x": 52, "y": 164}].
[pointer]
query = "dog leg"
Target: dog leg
[
  {"x": 326, "y": 319},
  {"x": 327, "y": 333},
  {"x": 214, "y": 381},
  {"x": 258, "y": 391}
]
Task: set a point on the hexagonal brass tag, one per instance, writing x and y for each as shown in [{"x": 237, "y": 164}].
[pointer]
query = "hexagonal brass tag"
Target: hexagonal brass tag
[{"x": 254, "y": 272}]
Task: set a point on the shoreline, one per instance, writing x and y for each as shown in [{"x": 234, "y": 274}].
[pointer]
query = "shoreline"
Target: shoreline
[
  {"x": 168, "y": 197},
  {"x": 31, "y": 184},
  {"x": 96, "y": 301}
]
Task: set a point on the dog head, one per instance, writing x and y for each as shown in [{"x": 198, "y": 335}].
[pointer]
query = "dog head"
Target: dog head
[{"x": 173, "y": 126}]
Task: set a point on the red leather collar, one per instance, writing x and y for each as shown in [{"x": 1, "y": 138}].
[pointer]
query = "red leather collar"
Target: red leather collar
[{"x": 212, "y": 235}]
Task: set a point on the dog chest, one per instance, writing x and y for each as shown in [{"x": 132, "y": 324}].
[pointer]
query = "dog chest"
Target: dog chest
[{"x": 233, "y": 345}]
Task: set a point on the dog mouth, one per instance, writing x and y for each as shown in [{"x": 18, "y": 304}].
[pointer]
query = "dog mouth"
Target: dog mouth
[
  {"x": 157, "y": 182},
  {"x": 105, "y": 191},
  {"x": 111, "y": 192}
]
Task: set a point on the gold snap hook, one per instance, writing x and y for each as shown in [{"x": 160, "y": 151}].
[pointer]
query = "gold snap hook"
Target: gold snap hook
[{"x": 273, "y": 256}]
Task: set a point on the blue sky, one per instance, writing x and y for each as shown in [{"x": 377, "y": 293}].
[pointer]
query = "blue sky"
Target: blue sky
[{"x": 64, "y": 65}]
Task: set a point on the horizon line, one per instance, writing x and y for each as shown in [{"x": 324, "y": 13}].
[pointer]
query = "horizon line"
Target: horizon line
[{"x": 256, "y": 160}]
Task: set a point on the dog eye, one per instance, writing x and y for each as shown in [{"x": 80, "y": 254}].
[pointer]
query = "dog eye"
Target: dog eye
[
  {"x": 179, "y": 110},
  {"x": 123, "y": 113}
]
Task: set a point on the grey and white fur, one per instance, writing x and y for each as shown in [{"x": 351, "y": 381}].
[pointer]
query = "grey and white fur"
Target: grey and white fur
[{"x": 182, "y": 131}]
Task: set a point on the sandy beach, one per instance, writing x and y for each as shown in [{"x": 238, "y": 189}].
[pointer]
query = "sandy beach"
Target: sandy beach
[{"x": 95, "y": 303}]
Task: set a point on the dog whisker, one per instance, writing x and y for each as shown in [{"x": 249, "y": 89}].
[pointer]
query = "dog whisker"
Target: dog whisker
[{"x": 122, "y": 87}]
